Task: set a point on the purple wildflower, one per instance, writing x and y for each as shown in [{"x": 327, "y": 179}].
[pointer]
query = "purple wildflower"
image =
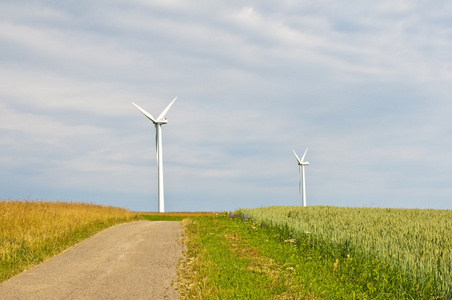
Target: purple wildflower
[{"x": 232, "y": 215}]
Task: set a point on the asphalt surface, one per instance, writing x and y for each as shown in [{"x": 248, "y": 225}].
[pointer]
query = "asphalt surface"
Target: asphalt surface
[{"x": 129, "y": 261}]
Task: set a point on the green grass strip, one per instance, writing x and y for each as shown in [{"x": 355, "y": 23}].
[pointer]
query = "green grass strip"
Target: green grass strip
[{"x": 235, "y": 260}]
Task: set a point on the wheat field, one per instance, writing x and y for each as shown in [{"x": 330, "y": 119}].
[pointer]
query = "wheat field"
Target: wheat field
[{"x": 417, "y": 242}]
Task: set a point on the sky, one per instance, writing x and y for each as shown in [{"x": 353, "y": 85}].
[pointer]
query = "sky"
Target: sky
[{"x": 366, "y": 85}]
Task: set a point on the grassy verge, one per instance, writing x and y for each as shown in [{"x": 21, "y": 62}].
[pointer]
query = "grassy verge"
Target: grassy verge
[
  {"x": 235, "y": 258},
  {"x": 32, "y": 232},
  {"x": 238, "y": 260}
]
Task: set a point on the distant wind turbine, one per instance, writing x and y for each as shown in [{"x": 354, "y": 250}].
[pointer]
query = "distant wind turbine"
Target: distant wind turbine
[
  {"x": 158, "y": 143},
  {"x": 301, "y": 164}
]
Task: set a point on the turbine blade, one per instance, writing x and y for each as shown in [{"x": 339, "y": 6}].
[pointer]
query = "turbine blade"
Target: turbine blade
[
  {"x": 298, "y": 159},
  {"x": 302, "y": 159},
  {"x": 156, "y": 144},
  {"x": 162, "y": 115},
  {"x": 148, "y": 115},
  {"x": 299, "y": 180}
]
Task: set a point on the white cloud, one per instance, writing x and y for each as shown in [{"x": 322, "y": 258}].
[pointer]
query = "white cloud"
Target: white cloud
[{"x": 364, "y": 85}]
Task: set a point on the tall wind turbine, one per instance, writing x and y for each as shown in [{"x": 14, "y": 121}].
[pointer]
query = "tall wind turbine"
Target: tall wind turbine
[
  {"x": 158, "y": 141},
  {"x": 301, "y": 165}
]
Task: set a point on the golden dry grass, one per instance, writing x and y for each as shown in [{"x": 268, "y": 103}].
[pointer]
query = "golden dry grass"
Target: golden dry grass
[{"x": 32, "y": 231}]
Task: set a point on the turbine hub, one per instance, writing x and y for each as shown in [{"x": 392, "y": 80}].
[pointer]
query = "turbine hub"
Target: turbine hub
[{"x": 162, "y": 121}]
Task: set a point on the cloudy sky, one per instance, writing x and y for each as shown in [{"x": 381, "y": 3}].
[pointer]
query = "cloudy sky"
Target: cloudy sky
[{"x": 366, "y": 85}]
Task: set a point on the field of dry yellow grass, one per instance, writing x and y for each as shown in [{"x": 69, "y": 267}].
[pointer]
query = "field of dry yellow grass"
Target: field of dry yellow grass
[{"x": 33, "y": 231}]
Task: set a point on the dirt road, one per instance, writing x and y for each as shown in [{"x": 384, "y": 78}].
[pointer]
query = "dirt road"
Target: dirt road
[{"x": 129, "y": 261}]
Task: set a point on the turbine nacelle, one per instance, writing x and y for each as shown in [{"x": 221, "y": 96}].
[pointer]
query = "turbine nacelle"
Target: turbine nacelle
[{"x": 164, "y": 121}]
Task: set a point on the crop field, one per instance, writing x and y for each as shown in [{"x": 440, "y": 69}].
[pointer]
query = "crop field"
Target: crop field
[
  {"x": 318, "y": 253},
  {"x": 407, "y": 252},
  {"x": 264, "y": 253},
  {"x": 31, "y": 232}
]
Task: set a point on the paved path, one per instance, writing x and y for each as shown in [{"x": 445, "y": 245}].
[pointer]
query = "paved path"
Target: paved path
[{"x": 128, "y": 261}]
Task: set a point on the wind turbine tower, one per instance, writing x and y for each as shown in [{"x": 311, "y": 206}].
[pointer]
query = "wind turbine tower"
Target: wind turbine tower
[
  {"x": 301, "y": 165},
  {"x": 158, "y": 143}
]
